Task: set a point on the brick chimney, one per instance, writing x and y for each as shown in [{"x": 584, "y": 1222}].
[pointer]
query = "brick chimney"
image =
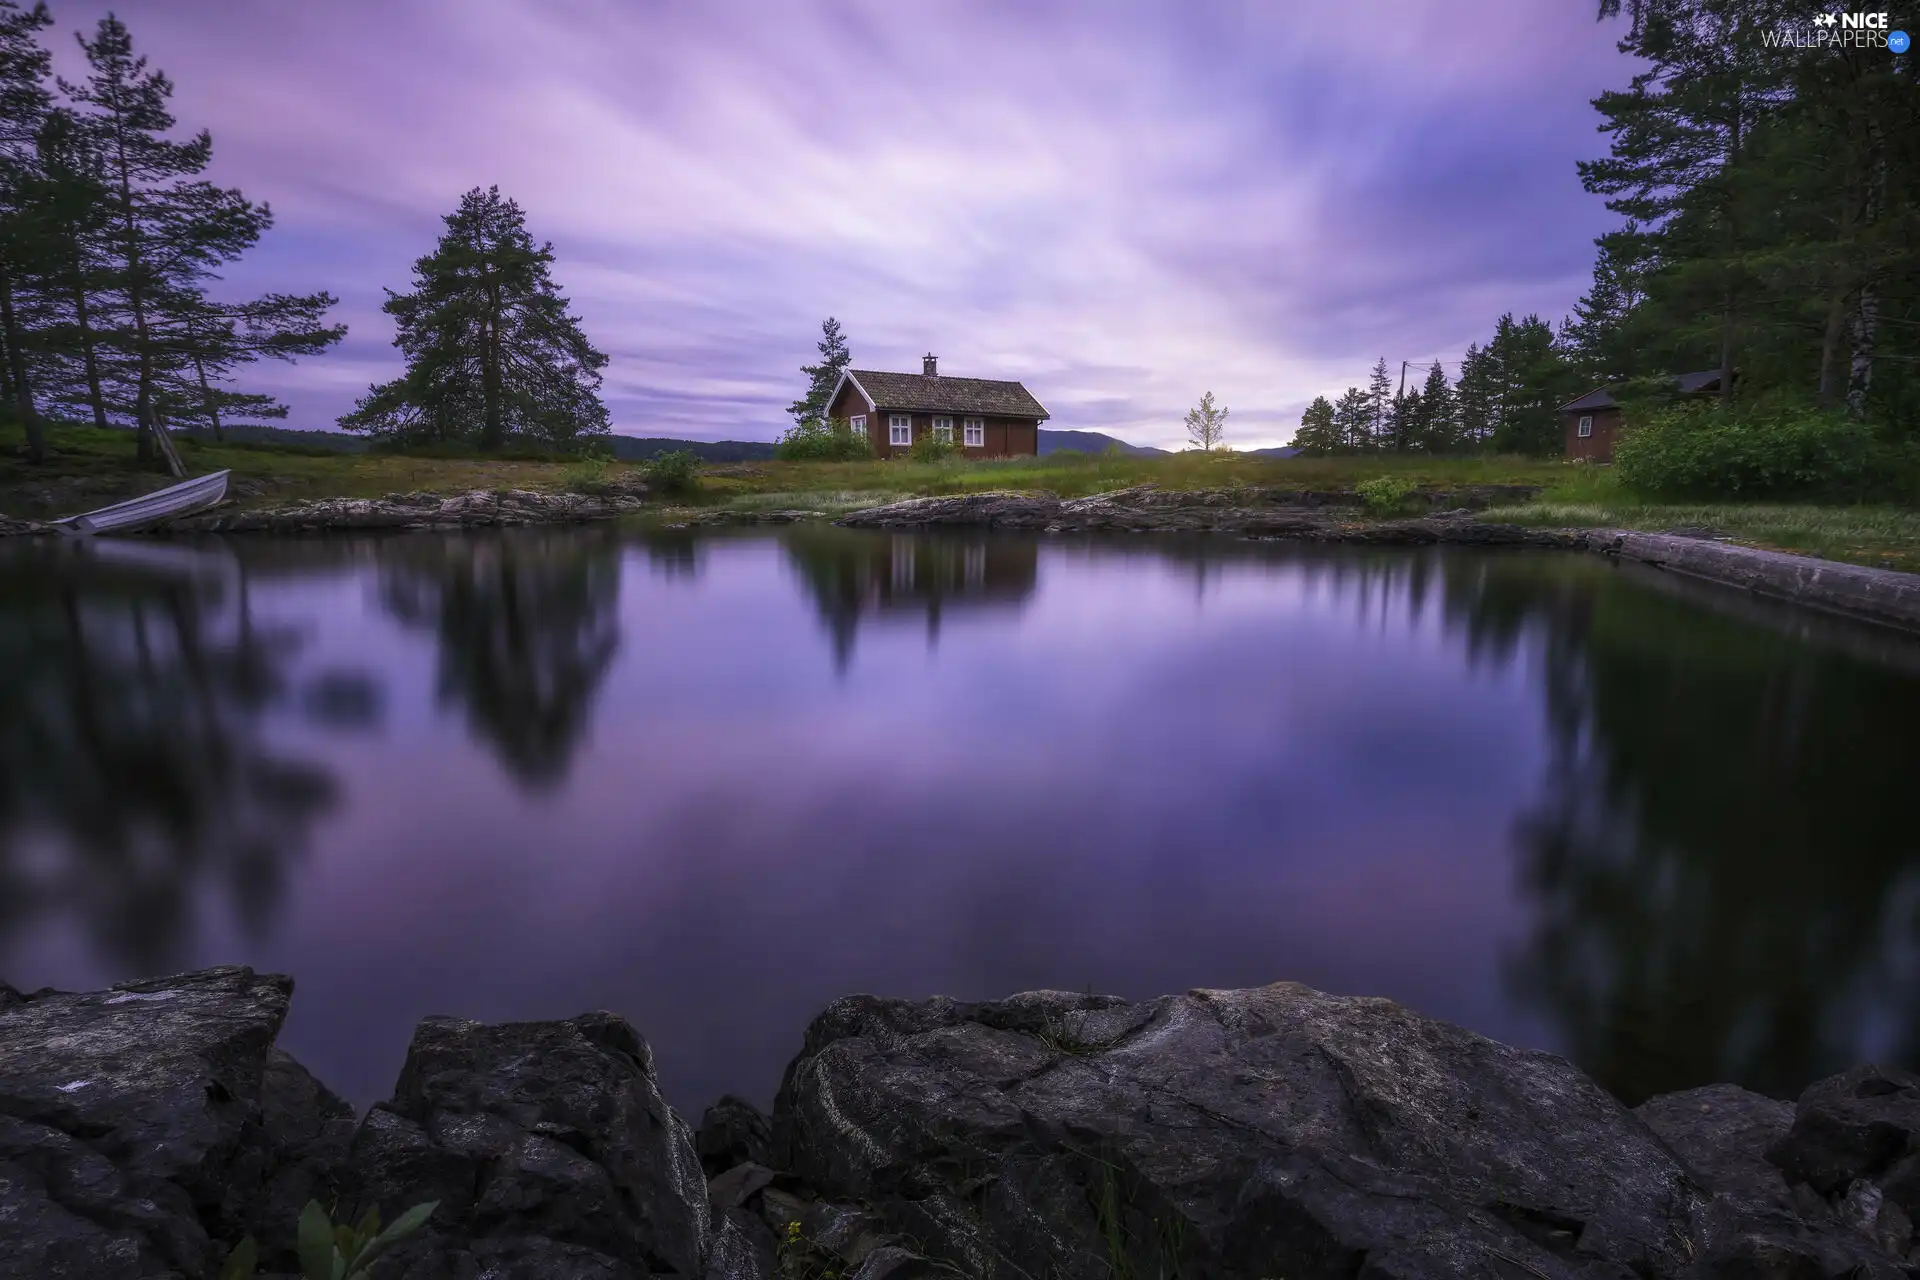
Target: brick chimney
[{"x": 930, "y": 365}]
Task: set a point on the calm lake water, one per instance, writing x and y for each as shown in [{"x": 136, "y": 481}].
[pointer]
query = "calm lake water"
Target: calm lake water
[{"x": 713, "y": 782}]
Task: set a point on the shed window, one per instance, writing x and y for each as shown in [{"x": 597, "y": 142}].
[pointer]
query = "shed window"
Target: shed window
[
  {"x": 1586, "y": 425},
  {"x": 859, "y": 424},
  {"x": 943, "y": 428},
  {"x": 976, "y": 437},
  {"x": 899, "y": 428}
]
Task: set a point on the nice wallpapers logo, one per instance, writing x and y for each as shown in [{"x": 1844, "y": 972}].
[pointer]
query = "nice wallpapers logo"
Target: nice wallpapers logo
[{"x": 1841, "y": 31}]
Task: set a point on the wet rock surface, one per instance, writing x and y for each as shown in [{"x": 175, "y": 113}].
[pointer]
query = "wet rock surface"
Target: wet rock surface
[
  {"x": 1275, "y": 1131},
  {"x": 480, "y": 508}
]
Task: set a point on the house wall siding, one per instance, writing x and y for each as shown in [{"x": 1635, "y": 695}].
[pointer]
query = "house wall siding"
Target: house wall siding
[
  {"x": 1006, "y": 437},
  {"x": 1597, "y": 447}
]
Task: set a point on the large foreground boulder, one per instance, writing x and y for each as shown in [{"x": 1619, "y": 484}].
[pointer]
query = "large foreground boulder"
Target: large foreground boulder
[
  {"x": 143, "y": 1126},
  {"x": 1260, "y": 1133},
  {"x": 549, "y": 1149}
]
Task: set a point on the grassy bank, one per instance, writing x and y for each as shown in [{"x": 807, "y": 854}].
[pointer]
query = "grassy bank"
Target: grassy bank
[{"x": 93, "y": 467}]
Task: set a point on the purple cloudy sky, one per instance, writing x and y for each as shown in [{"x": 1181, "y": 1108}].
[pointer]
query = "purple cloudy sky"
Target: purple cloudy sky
[{"x": 1122, "y": 204}]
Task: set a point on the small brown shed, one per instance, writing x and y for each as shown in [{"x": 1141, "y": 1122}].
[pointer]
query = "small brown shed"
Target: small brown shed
[
  {"x": 985, "y": 417},
  {"x": 1593, "y": 421}
]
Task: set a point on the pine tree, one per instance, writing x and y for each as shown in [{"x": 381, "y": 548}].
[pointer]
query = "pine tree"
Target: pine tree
[
  {"x": 1681, "y": 163},
  {"x": 1317, "y": 435},
  {"x": 1436, "y": 428},
  {"x": 1475, "y": 399},
  {"x": 492, "y": 352},
  {"x": 810, "y": 411},
  {"x": 168, "y": 229},
  {"x": 1405, "y": 423},
  {"x": 1380, "y": 405},
  {"x": 1600, "y": 342},
  {"x": 70, "y": 196},
  {"x": 1207, "y": 424},
  {"x": 24, "y": 100},
  {"x": 1353, "y": 421},
  {"x": 1531, "y": 382}
]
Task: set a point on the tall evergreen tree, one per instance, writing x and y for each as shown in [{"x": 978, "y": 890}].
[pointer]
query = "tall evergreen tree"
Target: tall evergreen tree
[
  {"x": 70, "y": 198},
  {"x": 1436, "y": 425},
  {"x": 1476, "y": 408},
  {"x": 169, "y": 229},
  {"x": 1681, "y": 158},
  {"x": 1380, "y": 404},
  {"x": 24, "y": 100},
  {"x": 1601, "y": 344},
  {"x": 1353, "y": 420},
  {"x": 1317, "y": 435},
  {"x": 492, "y": 352},
  {"x": 1206, "y": 424},
  {"x": 810, "y": 411},
  {"x": 1532, "y": 382}
]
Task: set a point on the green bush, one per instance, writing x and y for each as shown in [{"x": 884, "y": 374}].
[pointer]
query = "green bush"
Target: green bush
[
  {"x": 819, "y": 442},
  {"x": 1763, "y": 449},
  {"x": 675, "y": 472},
  {"x": 1385, "y": 495},
  {"x": 932, "y": 448}
]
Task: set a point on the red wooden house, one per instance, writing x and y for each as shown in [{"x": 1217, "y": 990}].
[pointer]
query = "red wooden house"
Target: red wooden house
[{"x": 985, "y": 417}]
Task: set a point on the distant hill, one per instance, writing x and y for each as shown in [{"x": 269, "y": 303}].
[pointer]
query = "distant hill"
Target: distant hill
[
  {"x": 1092, "y": 442},
  {"x": 1278, "y": 451}
]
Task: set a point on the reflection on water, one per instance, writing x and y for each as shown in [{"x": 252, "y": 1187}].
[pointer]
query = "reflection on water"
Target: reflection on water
[
  {"x": 903, "y": 575},
  {"x": 134, "y": 688},
  {"x": 525, "y": 630},
  {"x": 1655, "y": 826}
]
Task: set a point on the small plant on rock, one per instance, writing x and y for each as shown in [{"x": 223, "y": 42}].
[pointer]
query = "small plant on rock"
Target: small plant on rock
[{"x": 329, "y": 1252}]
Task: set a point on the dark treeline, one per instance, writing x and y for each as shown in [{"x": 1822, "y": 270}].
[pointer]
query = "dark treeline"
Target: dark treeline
[
  {"x": 1767, "y": 194},
  {"x": 109, "y": 239}
]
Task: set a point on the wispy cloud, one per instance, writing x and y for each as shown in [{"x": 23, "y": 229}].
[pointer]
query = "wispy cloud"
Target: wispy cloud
[{"x": 1124, "y": 204}]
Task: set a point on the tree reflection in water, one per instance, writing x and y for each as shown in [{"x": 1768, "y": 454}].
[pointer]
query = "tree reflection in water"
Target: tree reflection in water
[
  {"x": 1722, "y": 870},
  {"x": 1723, "y": 865},
  {"x": 527, "y": 626},
  {"x": 135, "y": 685},
  {"x": 855, "y": 575}
]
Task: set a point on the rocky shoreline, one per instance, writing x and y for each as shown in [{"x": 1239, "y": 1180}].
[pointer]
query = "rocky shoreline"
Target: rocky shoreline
[
  {"x": 1270, "y": 1132},
  {"x": 1877, "y": 595}
]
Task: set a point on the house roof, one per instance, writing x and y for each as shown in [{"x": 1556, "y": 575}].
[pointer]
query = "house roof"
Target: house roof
[
  {"x": 938, "y": 393},
  {"x": 1687, "y": 384}
]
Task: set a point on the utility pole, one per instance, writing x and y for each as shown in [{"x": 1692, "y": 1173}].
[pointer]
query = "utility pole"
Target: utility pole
[{"x": 1403, "y": 378}]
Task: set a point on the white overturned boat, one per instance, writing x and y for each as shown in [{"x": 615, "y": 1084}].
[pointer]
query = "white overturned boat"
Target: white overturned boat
[{"x": 180, "y": 499}]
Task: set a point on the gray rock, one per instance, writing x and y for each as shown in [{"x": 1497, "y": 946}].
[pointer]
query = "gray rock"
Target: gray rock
[
  {"x": 732, "y": 1131},
  {"x": 1721, "y": 1133},
  {"x": 1275, "y": 1131},
  {"x": 1855, "y": 1140},
  {"x": 987, "y": 510},
  {"x": 548, "y": 1147},
  {"x": 734, "y": 1256},
  {"x": 132, "y": 1126}
]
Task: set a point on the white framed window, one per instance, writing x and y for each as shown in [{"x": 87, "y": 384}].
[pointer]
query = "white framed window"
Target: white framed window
[
  {"x": 1586, "y": 425},
  {"x": 858, "y": 422},
  {"x": 943, "y": 429},
  {"x": 976, "y": 433},
  {"x": 899, "y": 428}
]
